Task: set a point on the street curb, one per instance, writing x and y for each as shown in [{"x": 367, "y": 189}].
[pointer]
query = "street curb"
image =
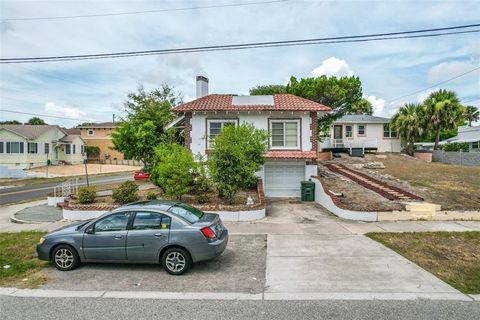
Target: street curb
[
  {"x": 158, "y": 295},
  {"x": 20, "y": 221}
]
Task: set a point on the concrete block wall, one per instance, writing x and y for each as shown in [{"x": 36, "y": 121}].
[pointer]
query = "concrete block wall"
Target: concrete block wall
[{"x": 457, "y": 157}]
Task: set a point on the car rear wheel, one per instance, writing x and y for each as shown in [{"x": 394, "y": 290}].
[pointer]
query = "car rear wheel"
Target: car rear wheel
[
  {"x": 176, "y": 261},
  {"x": 65, "y": 258}
]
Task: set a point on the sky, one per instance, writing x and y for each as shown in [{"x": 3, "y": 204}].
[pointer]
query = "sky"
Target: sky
[{"x": 94, "y": 90}]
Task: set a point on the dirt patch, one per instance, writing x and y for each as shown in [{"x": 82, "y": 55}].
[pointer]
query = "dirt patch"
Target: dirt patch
[
  {"x": 454, "y": 257},
  {"x": 453, "y": 187},
  {"x": 354, "y": 196}
]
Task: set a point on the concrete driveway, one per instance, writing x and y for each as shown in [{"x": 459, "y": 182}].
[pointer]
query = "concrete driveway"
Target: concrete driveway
[{"x": 312, "y": 254}]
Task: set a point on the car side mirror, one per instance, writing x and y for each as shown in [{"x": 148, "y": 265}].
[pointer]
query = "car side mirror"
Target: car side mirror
[{"x": 90, "y": 230}]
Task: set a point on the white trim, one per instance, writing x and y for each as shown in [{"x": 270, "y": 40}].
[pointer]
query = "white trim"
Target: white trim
[
  {"x": 364, "y": 130},
  {"x": 284, "y": 147},
  {"x": 222, "y": 121},
  {"x": 90, "y": 134}
]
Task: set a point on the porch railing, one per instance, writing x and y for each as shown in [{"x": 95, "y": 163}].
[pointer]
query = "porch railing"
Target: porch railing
[{"x": 66, "y": 188}]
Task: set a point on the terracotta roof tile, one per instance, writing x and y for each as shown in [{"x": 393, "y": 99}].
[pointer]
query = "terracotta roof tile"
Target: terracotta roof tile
[
  {"x": 223, "y": 102},
  {"x": 291, "y": 155}
]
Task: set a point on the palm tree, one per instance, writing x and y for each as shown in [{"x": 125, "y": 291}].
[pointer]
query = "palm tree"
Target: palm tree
[
  {"x": 471, "y": 114},
  {"x": 406, "y": 123},
  {"x": 441, "y": 110}
]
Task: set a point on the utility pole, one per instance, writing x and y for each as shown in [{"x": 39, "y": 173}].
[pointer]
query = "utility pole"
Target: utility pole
[
  {"x": 86, "y": 171},
  {"x": 113, "y": 118}
]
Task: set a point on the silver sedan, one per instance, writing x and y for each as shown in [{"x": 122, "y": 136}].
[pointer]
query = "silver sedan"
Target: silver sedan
[{"x": 168, "y": 232}]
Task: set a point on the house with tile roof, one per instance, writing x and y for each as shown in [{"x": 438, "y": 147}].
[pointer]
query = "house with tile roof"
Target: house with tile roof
[
  {"x": 291, "y": 122},
  {"x": 27, "y": 146},
  {"x": 359, "y": 133}
]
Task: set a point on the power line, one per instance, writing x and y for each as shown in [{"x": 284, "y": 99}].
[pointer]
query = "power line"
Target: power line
[
  {"x": 254, "y": 45},
  {"x": 144, "y": 11},
  {"x": 43, "y": 115},
  {"x": 433, "y": 86}
]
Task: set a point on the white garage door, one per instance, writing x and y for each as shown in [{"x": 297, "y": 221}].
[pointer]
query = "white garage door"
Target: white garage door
[{"x": 283, "y": 180}]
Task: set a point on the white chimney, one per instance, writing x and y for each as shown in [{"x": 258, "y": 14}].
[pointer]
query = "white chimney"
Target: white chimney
[{"x": 202, "y": 86}]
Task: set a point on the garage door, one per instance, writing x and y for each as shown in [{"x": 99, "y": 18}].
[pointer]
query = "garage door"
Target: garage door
[{"x": 283, "y": 180}]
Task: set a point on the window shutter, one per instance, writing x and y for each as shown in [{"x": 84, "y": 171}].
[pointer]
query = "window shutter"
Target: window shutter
[{"x": 21, "y": 147}]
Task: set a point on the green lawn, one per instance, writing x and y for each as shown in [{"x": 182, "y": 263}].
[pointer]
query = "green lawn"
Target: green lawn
[
  {"x": 17, "y": 250},
  {"x": 453, "y": 257}
]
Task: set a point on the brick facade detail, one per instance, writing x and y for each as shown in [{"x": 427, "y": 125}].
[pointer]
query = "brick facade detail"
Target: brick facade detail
[
  {"x": 188, "y": 130},
  {"x": 313, "y": 130}
]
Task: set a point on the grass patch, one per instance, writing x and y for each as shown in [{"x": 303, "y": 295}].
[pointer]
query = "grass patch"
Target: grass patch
[
  {"x": 18, "y": 251},
  {"x": 453, "y": 257}
]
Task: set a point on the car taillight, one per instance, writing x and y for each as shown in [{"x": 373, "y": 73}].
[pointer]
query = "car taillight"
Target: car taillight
[{"x": 208, "y": 233}]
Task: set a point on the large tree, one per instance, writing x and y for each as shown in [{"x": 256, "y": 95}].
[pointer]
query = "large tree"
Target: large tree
[
  {"x": 441, "y": 110},
  {"x": 143, "y": 129},
  {"x": 407, "y": 125},
  {"x": 268, "y": 89},
  {"x": 36, "y": 121},
  {"x": 471, "y": 114},
  {"x": 10, "y": 122},
  {"x": 361, "y": 107}
]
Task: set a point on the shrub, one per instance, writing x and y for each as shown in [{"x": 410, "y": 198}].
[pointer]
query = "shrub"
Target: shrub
[
  {"x": 151, "y": 195},
  {"x": 126, "y": 193},
  {"x": 92, "y": 151},
  {"x": 86, "y": 194},
  {"x": 203, "y": 198},
  {"x": 238, "y": 154},
  {"x": 173, "y": 170},
  {"x": 201, "y": 182},
  {"x": 456, "y": 146}
]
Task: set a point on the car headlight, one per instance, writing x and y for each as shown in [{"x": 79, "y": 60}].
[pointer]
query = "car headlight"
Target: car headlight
[{"x": 42, "y": 240}]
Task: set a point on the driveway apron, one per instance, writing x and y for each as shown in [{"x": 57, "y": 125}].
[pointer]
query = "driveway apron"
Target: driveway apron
[{"x": 313, "y": 253}]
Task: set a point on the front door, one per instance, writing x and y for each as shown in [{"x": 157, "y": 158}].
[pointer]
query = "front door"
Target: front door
[
  {"x": 107, "y": 239},
  {"x": 337, "y": 132},
  {"x": 149, "y": 234}
]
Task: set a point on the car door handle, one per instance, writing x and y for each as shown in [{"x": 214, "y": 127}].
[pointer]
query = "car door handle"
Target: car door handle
[
  {"x": 158, "y": 235},
  {"x": 118, "y": 236}
]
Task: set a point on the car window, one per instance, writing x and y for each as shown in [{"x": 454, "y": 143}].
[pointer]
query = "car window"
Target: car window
[
  {"x": 187, "y": 212},
  {"x": 114, "y": 222},
  {"x": 150, "y": 221}
]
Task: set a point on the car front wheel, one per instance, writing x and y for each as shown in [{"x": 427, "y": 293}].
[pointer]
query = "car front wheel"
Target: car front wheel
[
  {"x": 176, "y": 261},
  {"x": 65, "y": 258}
]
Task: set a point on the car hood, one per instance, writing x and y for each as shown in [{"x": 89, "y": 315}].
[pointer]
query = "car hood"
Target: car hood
[{"x": 71, "y": 228}]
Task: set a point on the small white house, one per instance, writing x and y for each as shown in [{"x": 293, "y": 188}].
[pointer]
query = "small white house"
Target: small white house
[
  {"x": 466, "y": 134},
  {"x": 28, "y": 146},
  {"x": 361, "y": 133},
  {"x": 290, "y": 120}
]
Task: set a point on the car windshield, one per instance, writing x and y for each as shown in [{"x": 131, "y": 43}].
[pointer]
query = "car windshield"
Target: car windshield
[{"x": 186, "y": 212}]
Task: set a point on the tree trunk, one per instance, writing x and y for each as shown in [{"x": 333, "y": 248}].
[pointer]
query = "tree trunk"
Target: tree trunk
[{"x": 437, "y": 140}]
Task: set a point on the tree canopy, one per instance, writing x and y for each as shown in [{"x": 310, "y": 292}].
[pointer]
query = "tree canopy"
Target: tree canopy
[
  {"x": 268, "y": 90},
  {"x": 143, "y": 129},
  {"x": 36, "y": 121},
  {"x": 405, "y": 122},
  {"x": 471, "y": 114},
  {"x": 10, "y": 122}
]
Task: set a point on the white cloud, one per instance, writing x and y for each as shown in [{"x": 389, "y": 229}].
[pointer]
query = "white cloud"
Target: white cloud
[
  {"x": 59, "y": 111},
  {"x": 377, "y": 103},
  {"x": 447, "y": 70},
  {"x": 332, "y": 67}
]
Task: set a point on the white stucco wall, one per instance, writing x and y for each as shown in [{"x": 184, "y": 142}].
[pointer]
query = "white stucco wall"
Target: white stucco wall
[{"x": 259, "y": 120}]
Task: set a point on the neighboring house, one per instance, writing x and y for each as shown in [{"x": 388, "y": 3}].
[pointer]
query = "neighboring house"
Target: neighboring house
[
  {"x": 359, "y": 133},
  {"x": 290, "y": 120},
  {"x": 466, "y": 134},
  {"x": 100, "y": 135},
  {"x": 28, "y": 146}
]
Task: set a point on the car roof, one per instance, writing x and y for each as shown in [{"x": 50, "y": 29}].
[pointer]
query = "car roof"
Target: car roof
[{"x": 163, "y": 205}]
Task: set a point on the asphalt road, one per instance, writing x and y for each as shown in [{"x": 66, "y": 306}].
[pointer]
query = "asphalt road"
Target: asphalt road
[
  {"x": 26, "y": 192},
  {"x": 102, "y": 308}
]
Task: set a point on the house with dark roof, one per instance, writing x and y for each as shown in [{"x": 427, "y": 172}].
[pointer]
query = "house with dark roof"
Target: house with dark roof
[
  {"x": 28, "y": 146},
  {"x": 290, "y": 120},
  {"x": 359, "y": 133}
]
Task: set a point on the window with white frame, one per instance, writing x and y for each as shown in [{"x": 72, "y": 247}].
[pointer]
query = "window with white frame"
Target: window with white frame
[
  {"x": 1, "y": 146},
  {"x": 285, "y": 134},
  {"x": 74, "y": 148},
  {"x": 67, "y": 148},
  {"x": 475, "y": 146},
  {"x": 389, "y": 132},
  {"x": 90, "y": 132},
  {"x": 32, "y": 147},
  {"x": 46, "y": 148},
  {"x": 361, "y": 130},
  {"x": 214, "y": 127},
  {"x": 348, "y": 131},
  {"x": 14, "y": 147}
]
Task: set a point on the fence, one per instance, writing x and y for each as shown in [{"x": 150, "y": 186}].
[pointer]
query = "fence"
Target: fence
[
  {"x": 117, "y": 162},
  {"x": 457, "y": 157},
  {"x": 66, "y": 188}
]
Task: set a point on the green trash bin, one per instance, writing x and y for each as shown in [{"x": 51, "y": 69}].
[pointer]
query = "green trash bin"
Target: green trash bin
[{"x": 308, "y": 191}]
